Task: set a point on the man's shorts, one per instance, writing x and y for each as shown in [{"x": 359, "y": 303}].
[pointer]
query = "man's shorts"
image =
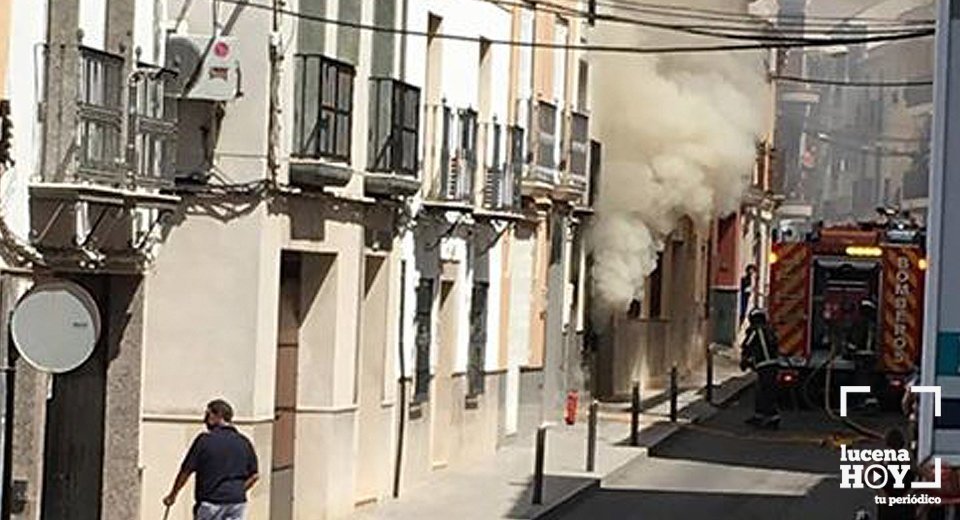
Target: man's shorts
[{"x": 208, "y": 511}]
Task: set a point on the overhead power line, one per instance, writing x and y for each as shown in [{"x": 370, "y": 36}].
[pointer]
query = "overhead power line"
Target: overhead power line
[
  {"x": 621, "y": 49},
  {"x": 691, "y": 12},
  {"x": 844, "y": 83},
  {"x": 753, "y": 25},
  {"x": 730, "y": 32}
]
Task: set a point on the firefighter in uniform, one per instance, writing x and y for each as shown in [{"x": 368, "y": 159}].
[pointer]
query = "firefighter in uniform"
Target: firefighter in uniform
[{"x": 760, "y": 352}]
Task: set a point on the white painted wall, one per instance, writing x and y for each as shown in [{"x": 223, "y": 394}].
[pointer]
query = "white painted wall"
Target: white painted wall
[
  {"x": 23, "y": 88},
  {"x": 461, "y": 60}
]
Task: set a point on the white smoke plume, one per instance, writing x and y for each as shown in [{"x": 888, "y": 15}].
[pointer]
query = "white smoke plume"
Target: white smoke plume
[{"x": 678, "y": 134}]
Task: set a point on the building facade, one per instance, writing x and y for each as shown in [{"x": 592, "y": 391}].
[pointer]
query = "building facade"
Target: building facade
[
  {"x": 867, "y": 146},
  {"x": 360, "y": 223}
]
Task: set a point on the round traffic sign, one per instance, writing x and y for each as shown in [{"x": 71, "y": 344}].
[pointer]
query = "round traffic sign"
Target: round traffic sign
[{"x": 55, "y": 326}]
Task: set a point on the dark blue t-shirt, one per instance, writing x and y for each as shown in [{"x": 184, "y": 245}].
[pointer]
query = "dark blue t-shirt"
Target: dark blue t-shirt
[{"x": 223, "y": 459}]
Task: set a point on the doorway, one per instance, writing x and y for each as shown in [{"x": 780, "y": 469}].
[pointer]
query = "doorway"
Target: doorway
[
  {"x": 374, "y": 421},
  {"x": 446, "y": 351},
  {"x": 285, "y": 400}
]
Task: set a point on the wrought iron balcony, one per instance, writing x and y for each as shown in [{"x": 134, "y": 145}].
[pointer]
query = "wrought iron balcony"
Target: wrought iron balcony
[
  {"x": 394, "y": 128},
  {"x": 456, "y": 158},
  {"x": 504, "y": 167}
]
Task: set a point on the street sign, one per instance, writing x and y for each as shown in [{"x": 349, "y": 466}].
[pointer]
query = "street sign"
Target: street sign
[
  {"x": 940, "y": 436},
  {"x": 55, "y": 326}
]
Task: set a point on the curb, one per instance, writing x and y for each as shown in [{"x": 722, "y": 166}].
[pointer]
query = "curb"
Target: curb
[
  {"x": 740, "y": 384},
  {"x": 549, "y": 511}
]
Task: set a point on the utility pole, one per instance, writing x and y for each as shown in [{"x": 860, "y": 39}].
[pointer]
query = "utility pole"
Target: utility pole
[{"x": 940, "y": 436}]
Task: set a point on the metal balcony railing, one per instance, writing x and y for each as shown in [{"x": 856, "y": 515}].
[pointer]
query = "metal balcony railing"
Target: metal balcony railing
[
  {"x": 456, "y": 162},
  {"x": 394, "y": 127},
  {"x": 504, "y": 166},
  {"x": 323, "y": 108},
  {"x": 100, "y": 116},
  {"x": 153, "y": 126}
]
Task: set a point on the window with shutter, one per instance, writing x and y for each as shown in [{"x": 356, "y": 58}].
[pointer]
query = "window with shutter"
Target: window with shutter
[
  {"x": 579, "y": 144},
  {"x": 423, "y": 320},
  {"x": 478, "y": 338}
]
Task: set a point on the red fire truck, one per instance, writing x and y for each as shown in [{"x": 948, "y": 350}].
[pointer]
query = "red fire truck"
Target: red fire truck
[{"x": 820, "y": 277}]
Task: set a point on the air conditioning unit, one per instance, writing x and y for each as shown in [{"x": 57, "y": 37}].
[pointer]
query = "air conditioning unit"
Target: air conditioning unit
[{"x": 208, "y": 68}]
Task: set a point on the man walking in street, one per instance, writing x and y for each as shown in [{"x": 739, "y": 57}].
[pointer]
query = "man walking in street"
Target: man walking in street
[
  {"x": 225, "y": 464},
  {"x": 760, "y": 352}
]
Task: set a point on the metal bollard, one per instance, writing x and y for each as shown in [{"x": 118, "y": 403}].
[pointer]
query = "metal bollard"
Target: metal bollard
[
  {"x": 709, "y": 375},
  {"x": 673, "y": 394},
  {"x": 635, "y": 415},
  {"x": 538, "y": 465},
  {"x": 592, "y": 436}
]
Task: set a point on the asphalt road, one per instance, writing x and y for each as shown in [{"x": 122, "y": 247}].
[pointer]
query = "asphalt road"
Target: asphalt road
[{"x": 723, "y": 469}]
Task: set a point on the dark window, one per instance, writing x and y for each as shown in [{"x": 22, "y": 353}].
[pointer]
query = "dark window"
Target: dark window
[
  {"x": 423, "y": 320},
  {"x": 557, "y": 239},
  {"x": 655, "y": 281},
  {"x": 583, "y": 75},
  {"x": 546, "y": 134},
  {"x": 596, "y": 152},
  {"x": 394, "y": 126},
  {"x": 478, "y": 338},
  {"x": 579, "y": 144},
  {"x": 323, "y": 111},
  {"x": 515, "y": 162}
]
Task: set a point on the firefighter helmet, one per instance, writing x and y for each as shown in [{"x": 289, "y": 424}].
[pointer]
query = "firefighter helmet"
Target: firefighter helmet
[{"x": 757, "y": 316}]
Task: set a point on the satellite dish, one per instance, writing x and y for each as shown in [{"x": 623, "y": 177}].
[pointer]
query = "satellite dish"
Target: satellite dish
[{"x": 55, "y": 326}]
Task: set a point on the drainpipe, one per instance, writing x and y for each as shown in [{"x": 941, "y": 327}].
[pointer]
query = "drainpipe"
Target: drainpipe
[{"x": 402, "y": 402}]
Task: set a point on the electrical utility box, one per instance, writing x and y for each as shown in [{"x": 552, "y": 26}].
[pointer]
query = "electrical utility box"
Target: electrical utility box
[{"x": 208, "y": 67}]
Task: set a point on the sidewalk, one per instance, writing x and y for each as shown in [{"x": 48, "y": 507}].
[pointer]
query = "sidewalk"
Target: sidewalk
[{"x": 500, "y": 487}]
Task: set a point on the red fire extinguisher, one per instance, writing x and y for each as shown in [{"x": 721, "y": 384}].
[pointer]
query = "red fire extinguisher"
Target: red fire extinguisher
[{"x": 570, "y": 417}]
